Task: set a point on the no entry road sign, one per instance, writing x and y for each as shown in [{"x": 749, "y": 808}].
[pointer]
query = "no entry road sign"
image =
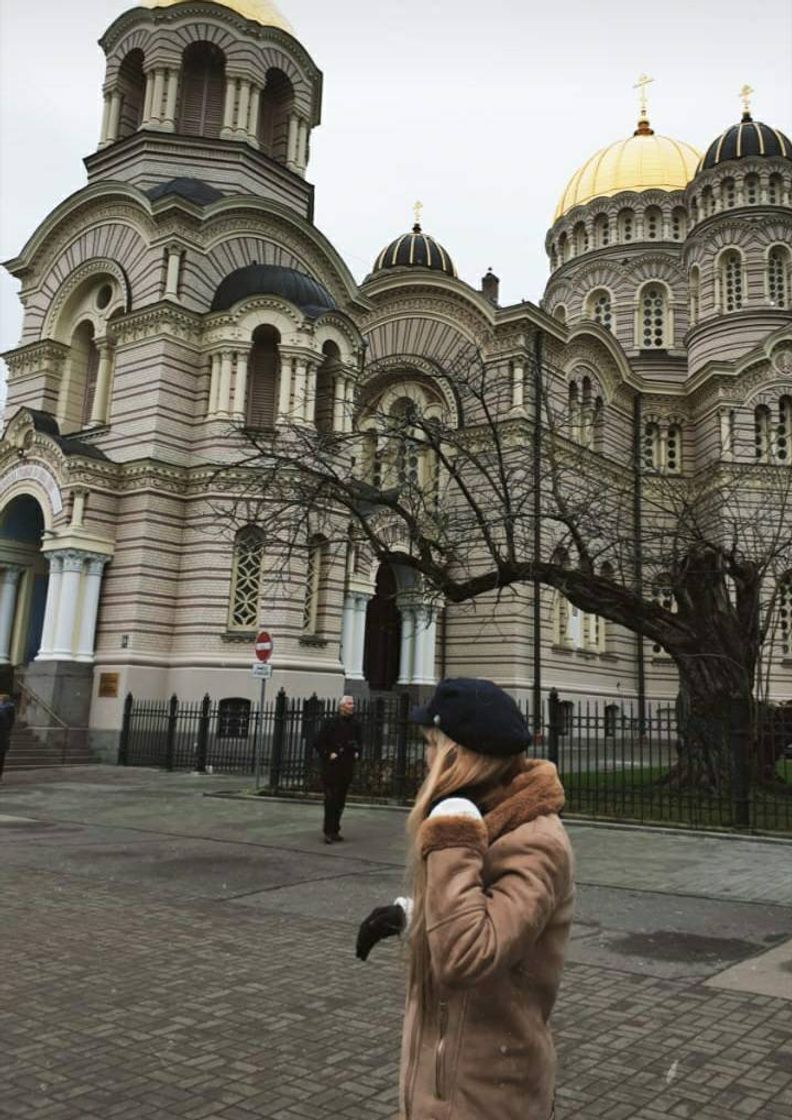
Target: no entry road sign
[{"x": 263, "y": 646}]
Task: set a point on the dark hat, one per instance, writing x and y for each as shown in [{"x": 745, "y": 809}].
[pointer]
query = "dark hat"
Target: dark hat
[{"x": 477, "y": 715}]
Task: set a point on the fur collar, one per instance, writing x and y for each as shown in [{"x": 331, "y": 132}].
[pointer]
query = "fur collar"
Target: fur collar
[{"x": 535, "y": 792}]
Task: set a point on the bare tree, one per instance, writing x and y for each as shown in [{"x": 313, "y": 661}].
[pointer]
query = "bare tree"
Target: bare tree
[{"x": 457, "y": 483}]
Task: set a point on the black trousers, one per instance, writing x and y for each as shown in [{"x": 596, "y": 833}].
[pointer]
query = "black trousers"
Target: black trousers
[{"x": 336, "y": 787}]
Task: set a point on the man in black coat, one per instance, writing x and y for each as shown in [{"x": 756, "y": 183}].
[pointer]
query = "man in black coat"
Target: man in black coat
[
  {"x": 7, "y": 713},
  {"x": 339, "y": 743}
]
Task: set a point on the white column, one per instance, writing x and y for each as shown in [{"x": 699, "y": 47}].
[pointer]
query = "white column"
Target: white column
[
  {"x": 171, "y": 96},
  {"x": 227, "y": 131},
  {"x": 102, "y": 390},
  {"x": 300, "y": 386},
  {"x": 214, "y": 386},
  {"x": 284, "y": 391},
  {"x": 105, "y": 121},
  {"x": 291, "y": 157},
  {"x": 426, "y": 636},
  {"x": 339, "y": 399},
  {"x": 253, "y": 115},
  {"x": 349, "y": 405},
  {"x": 9, "y": 582},
  {"x": 92, "y": 583},
  {"x": 354, "y": 668},
  {"x": 347, "y": 627},
  {"x": 310, "y": 393},
  {"x": 224, "y": 396},
  {"x": 78, "y": 509},
  {"x": 115, "y": 116},
  {"x": 243, "y": 110},
  {"x": 518, "y": 385},
  {"x": 148, "y": 99},
  {"x": 240, "y": 385},
  {"x": 63, "y": 648},
  {"x": 301, "y": 158},
  {"x": 173, "y": 271},
  {"x": 406, "y": 652},
  {"x": 53, "y": 602},
  {"x": 157, "y": 97}
]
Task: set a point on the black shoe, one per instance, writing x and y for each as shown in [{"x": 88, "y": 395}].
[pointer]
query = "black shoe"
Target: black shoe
[
  {"x": 328, "y": 839},
  {"x": 338, "y": 837}
]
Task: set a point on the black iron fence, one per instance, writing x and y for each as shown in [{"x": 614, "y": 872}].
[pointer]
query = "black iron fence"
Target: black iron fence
[{"x": 613, "y": 764}]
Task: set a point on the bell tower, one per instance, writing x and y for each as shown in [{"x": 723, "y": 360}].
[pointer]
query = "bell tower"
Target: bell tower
[{"x": 221, "y": 94}]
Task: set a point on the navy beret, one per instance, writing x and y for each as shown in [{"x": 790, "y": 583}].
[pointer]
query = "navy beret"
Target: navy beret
[{"x": 477, "y": 715}]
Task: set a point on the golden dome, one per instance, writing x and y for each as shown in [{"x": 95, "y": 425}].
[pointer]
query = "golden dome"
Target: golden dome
[
  {"x": 643, "y": 162},
  {"x": 259, "y": 11}
]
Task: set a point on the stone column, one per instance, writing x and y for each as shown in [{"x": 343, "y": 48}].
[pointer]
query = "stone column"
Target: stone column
[
  {"x": 173, "y": 272},
  {"x": 148, "y": 100},
  {"x": 347, "y": 629},
  {"x": 171, "y": 97},
  {"x": 407, "y": 651},
  {"x": 227, "y": 131},
  {"x": 310, "y": 392},
  {"x": 240, "y": 386},
  {"x": 157, "y": 113},
  {"x": 105, "y": 129},
  {"x": 284, "y": 390},
  {"x": 339, "y": 400},
  {"x": 349, "y": 408},
  {"x": 300, "y": 390},
  {"x": 243, "y": 110},
  {"x": 92, "y": 583},
  {"x": 115, "y": 116},
  {"x": 425, "y": 636},
  {"x": 104, "y": 374},
  {"x": 301, "y": 159},
  {"x": 63, "y": 646},
  {"x": 518, "y": 385},
  {"x": 253, "y": 115},
  {"x": 224, "y": 395},
  {"x": 214, "y": 385},
  {"x": 9, "y": 583},
  {"x": 291, "y": 157},
  {"x": 354, "y": 666},
  {"x": 53, "y": 603}
]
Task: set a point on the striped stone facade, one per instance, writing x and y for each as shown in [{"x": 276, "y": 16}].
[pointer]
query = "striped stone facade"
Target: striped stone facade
[{"x": 154, "y": 300}]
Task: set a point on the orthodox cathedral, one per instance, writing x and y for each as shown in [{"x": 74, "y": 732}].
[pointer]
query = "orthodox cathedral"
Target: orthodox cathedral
[{"x": 185, "y": 292}]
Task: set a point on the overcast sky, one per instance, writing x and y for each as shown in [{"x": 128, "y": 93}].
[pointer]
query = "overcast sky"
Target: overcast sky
[{"x": 483, "y": 110}]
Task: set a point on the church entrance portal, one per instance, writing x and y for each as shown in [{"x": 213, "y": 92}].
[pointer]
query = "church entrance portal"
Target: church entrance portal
[
  {"x": 23, "y": 582},
  {"x": 383, "y": 634}
]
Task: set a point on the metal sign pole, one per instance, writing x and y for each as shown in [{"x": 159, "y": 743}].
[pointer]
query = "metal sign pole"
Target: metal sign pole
[{"x": 260, "y": 744}]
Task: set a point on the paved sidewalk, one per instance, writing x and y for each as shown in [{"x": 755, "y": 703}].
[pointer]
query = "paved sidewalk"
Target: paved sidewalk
[{"x": 166, "y": 955}]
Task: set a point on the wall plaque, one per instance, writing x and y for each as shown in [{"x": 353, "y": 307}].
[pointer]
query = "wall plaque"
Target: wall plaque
[{"x": 108, "y": 685}]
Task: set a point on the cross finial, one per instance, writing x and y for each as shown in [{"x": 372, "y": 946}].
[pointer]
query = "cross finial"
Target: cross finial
[
  {"x": 643, "y": 81},
  {"x": 745, "y": 94},
  {"x": 417, "y": 208}
]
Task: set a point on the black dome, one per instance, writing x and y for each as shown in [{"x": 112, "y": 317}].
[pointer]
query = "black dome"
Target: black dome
[
  {"x": 194, "y": 190},
  {"x": 273, "y": 280},
  {"x": 748, "y": 138},
  {"x": 415, "y": 250}
]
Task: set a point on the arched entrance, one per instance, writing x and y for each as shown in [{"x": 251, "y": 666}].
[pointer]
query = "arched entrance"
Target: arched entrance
[
  {"x": 383, "y": 633},
  {"x": 24, "y": 577}
]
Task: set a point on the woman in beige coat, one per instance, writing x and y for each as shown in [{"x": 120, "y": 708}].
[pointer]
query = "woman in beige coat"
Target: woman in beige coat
[{"x": 491, "y": 872}]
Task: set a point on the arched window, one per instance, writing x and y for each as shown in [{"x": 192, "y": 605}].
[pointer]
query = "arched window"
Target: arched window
[
  {"x": 673, "y": 455},
  {"x": 783, "y": 432},
  {"x": 314, "y": 585},
  {"x": 563, "y": 247},
  {"x": 574, "y": 411},
  {"x": 762, "y": 425},
  {"x": 678, "y": 223},
  {"x": 651, "y": 443},
  {"x": 695, "y": 293},
  {"x": 202, "y": 93},
  {"x": 728, "y": 194},
  {"x": 601, "y": 231},
  {"x": 553, "y": 258},
  {"x": 731, "y": 281},
  {"x": 751, "y": 189},
  {"x": 575, "y": 629},
  {"x": 560, "y": 313},
  {"x": 653, "y": 223},
  {"x": 246, "y": 579},
  {"x": 599, "y": 425},
  {"x": 599, "y": 308},
  {"x": 580, "y": 237},
  {"x": 263, "y": 379},
  {"x": 626, "y": 223},
  {"x": 785, "y": 614},
  {"x": 707, "y": 202},
  {"x": 775, "y": 189},
  {"x": 326, "y": 376},
  {"x": 277, "y": 106},
  {"x": 233, "y": 718},
  {"x": 81, "y": 379},
  {"x": 132, "y": 87},
  {"x": 778, "y": 276},
  {"x": 407, "y": 449},
  {"x": 653, "y": 318},
  {"x": 694, "y": 210}
]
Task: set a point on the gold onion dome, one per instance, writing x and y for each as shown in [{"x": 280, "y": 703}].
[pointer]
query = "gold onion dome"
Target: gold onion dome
[
  {"x": 643, "y": 162},
  {"x": 258, "y": 11}
]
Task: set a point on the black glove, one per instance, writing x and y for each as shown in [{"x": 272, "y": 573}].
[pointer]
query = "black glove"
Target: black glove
[{"x": 384, "y": 921}]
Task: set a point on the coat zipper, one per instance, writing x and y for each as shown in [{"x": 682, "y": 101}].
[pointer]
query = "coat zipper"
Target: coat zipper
[{"x": 440, "y": 1053}]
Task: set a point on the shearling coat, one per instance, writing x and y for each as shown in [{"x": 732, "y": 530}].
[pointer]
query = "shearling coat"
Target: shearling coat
[{"x": 499, "y": 903}]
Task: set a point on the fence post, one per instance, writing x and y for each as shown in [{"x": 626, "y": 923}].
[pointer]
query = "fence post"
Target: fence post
[
  {"x": 739, "y": 734},
  {"x": 553, "y": 725},
  {"x": 203, "y": 735},
  {"x": 402, "y": 726},
  {"x": 173, "y": 719},
  {"x": 126, "y": 724},
  {"x": 278, "y": 739}
]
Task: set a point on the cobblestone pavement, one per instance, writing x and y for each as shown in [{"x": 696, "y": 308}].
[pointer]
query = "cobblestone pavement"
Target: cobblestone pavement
[{"x": 167, "y": 956}]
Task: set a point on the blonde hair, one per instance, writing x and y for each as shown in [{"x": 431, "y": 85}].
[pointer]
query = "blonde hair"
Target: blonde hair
[{"x": 453, "y": 768}]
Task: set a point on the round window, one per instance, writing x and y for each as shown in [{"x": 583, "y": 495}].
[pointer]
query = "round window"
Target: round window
[{"x": 103, "y": 296}]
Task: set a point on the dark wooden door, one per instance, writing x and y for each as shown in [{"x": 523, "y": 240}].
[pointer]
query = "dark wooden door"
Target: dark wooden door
[{"x": 383, "y": 634}]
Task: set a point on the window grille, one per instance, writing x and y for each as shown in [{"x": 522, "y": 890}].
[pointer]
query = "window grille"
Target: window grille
[
  {"x": 673, "y": 449},
  {"x": 777, "y": 270},
  {"x": 785, "y": 615},
  {"x": 774, "y": 190},
  {"x": 732, "y": 281},
  {"x": 246, "y": 584},
  {"x": 728, "y": 194},
  {"x": 651, "y": 453},
  {"x": 627, "y": 224},
  {"x": 678, "y": 224},
  {"x": 784, "y": 430},
  {"x": 654, "y": 224},
  {"x": 695, "y": 286},
  {"x": 752, "y": 189},
  {"x": 653, "y": 315},
  {"x": 601, "y": 310},
  {"x": 762, "y": 433},
  {"x": 602, "y": 231}
]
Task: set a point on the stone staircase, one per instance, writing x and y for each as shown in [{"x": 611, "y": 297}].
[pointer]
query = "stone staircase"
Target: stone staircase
[{"x": 36, "y": 748}]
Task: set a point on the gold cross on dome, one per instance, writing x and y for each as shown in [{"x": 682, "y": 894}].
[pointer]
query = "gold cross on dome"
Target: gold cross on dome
[
  {"x": 641, "y": 84},
  {"x": 417, "y": 208},
  {"x": 745, "y": 94}
]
